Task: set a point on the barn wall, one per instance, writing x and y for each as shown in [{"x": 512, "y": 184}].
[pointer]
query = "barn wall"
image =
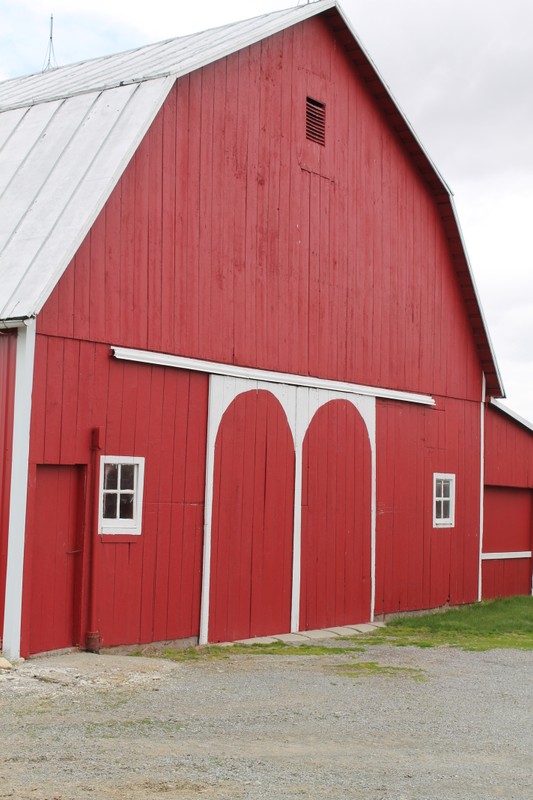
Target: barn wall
[
  {"x": 132, "y": 589},
  {"x": 230, "y": 237},
  {"x": 418, "y": 566},
  {"x": 508, "y": 506},
  {"x": 7, "y": 393},
  {"x": 508, "y": 451}
]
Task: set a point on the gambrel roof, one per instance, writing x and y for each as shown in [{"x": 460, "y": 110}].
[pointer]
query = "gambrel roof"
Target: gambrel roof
[{"x": 66, "y": 136}]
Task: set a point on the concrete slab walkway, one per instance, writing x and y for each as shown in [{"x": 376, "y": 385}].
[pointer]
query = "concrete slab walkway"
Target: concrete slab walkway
[{"x": 306, "y": 637}]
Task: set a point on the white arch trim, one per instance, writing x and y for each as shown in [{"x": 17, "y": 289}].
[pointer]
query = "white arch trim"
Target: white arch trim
[{"x": 300, "y": 405}]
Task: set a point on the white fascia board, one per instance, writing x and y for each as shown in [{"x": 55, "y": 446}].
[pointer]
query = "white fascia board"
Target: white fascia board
[
  {"x": 233, "y": 371},
  {"x": 505, "y": 556},
  {"x": 19, "y": 489}
]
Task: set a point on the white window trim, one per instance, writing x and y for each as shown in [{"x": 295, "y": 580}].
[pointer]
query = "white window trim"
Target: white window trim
[
  {"x": 448, "y": 522},
  {"x": 131, "y": 527}
]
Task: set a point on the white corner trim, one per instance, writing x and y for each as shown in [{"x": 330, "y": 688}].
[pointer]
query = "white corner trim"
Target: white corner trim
[
  {"x": 250, "y": 373},
  {"x": 506, "y": 556},
  {"x": 481, "y": 486},
  {"x": 25, "y": 354}
]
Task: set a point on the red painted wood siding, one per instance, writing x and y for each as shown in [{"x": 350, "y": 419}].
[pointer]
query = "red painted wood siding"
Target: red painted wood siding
[
  {"x": 252, "y": 524},
  {"x": 230, "y": 237},
  {"x": 56, "y": 558},
  {"x": 148, "y": 589},
  {"x": 8, "y": 344},
  {"x": 508, "y": 451},
  {"x": 506, "y": 578},
  {"x": 418, "y": 566},
  {"x": 508, "y": 528},
  {"x": 508, "y": 517},
  {"x": 336, "y": 519}
]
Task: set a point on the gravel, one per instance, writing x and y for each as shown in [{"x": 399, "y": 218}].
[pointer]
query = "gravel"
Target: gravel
[{"x": 442, "y": 725}]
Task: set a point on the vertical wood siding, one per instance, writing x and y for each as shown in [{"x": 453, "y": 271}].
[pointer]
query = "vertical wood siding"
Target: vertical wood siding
[
  {"x": 56, "y": 558},
  {"x": 508, "y": 506},
  {"x": 231, "y": 237},
  {"x": 506, "y": 578},
  {"x": 508, "y": 528},
  {"x": 8, "y": 343},
  {"x": 252, "y": 526},
  {"x": 147, "y": 589},
  {"x": 418, "y": 566},
  {"x": 509, "y": 451},
  {"x": 336, "y": 502}
]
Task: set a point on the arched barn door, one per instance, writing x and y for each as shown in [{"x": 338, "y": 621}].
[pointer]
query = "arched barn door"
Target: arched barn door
[
  {"x": 336, "y": 519},
  {"x": 252, "y": 520}
]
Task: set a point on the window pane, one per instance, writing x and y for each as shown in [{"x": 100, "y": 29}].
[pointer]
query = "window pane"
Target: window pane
[
  {"x": 445, "y": 488},
  {"x": 110, "y": 476},
  {"x": 438, "y": 488},
  {"x": 445, "y": 509},
  {"x": 126, "y": 506},
  {"x": 127, "y": 476},
  {"x": 110, "y": 506},
  {"x": 438, "y": 509}
]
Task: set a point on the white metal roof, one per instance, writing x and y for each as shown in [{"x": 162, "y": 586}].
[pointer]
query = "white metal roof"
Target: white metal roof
[{"x": 66, "y": 136}]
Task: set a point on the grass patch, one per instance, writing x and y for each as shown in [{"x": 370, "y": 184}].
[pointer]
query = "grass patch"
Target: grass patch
[
  {"x": 207, "y": 652},
  {"x": 494, "y": 624},
  {"x": 364, "y": 669}
]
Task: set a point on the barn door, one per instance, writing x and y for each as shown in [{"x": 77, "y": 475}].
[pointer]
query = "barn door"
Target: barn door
[
  {"x": 252, "y": 520},
  {"x": 56, "y": 558},
  {"x": 336, "y": 519}
]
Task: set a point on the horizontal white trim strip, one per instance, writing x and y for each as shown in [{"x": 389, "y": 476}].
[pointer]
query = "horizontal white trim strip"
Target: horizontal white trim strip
[
  {"x": 498, "y": 556},
  {"x": 233, "y": 371}
]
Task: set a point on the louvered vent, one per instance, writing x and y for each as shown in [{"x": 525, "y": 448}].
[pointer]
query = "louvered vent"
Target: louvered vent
[{"x": 315, "y": 121}]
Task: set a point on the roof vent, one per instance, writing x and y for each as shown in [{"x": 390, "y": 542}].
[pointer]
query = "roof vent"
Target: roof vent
[{"x": 315, "y": 121}]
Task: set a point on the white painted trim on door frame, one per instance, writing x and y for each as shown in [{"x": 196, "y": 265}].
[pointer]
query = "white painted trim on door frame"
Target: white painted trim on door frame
[
  {"x": 507, "y": 555},
  {"x": 250, "y": 373},
  {"x": 25, "y": 355},
  {"x": 300, "y": 404}
]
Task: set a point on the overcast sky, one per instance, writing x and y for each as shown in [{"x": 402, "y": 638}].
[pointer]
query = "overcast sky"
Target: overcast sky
[{"x": 461, "y": 70}]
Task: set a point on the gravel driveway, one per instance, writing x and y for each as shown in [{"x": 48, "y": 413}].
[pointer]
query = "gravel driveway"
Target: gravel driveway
[{"x": 444, "y": 725}]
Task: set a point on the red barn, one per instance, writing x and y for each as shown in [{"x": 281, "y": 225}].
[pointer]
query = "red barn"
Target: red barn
[{"x": 244, "y": 365}]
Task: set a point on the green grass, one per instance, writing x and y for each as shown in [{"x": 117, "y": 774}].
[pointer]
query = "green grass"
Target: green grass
[
  {"x": 207, "y": 652},
  {"x": 504, "y": 623},
  {"x": 362, "y": 669}
]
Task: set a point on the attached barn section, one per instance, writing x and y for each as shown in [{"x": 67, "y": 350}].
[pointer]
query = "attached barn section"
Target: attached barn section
[
  {"x": 251, "y": 361},
  {"x": 508, "y": 504}
]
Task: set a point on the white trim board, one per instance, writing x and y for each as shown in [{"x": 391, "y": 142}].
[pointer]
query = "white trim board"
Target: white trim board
[
  {"x": 251, "y": 373},
  {"x": 502, "y": 556},
  {"x": 19, "y": 489}
]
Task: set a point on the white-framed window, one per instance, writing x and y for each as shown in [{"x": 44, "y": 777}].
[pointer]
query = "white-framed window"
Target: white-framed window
[
  {"x": 120, "y": 495},
  {"x": 443, "y": 500}
]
